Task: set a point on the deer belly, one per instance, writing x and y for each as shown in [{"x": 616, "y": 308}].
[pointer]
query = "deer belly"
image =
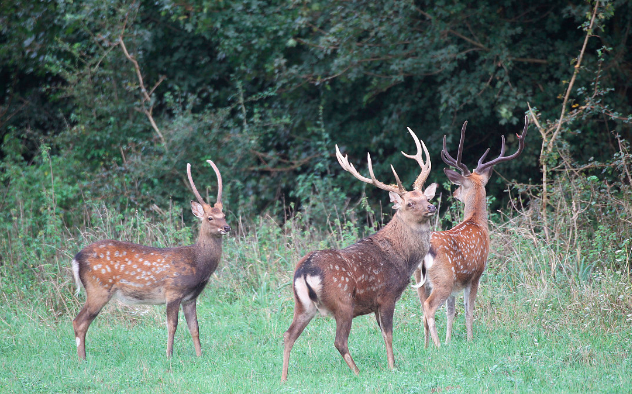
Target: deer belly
[{"x": 147, "y": 297}]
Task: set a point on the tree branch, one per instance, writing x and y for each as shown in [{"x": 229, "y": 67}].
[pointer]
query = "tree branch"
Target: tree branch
[{"x": 146, "y": 96}]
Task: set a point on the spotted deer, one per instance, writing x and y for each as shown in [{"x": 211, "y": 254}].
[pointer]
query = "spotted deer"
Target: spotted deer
[
  {"x": 138, "y": 274},
  {"x": 369, "y": 276},
  {"x": 457, "y": 257}
]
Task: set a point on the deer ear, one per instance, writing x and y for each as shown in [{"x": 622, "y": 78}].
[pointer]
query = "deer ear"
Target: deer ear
[
  {"x": 396, "y": 199},
  {"x": 454, "y": 176},
  {"x": 458, "y": 194},
  {"x": 486, "y": 173},
  {"x": 430, "y": 191},
  {"x": 197, "y": 209}
]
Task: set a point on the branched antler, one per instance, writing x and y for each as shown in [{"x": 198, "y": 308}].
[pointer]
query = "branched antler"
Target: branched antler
[
  {"x": 500, "y": 159},
  {"x": 449, "y": 160},
  {"x": 425, "y": 166},
  {"x": 417, "y": 185}
]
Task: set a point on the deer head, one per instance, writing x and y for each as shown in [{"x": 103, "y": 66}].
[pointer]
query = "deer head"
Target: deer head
[
  {"x": 213, "y": 219},
  {"x": 412, "y": 206},
  {"x": 471, "y": 182}
]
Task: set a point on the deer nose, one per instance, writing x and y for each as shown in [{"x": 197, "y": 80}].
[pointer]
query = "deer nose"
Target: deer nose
[
  {"x": 432, "y": 208},
  {"x": 227, "y": 228}
]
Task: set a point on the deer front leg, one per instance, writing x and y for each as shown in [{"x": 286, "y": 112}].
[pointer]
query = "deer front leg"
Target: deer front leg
[
  {"x": 343, "y": 328},
  {"x": 190, "y": 314},
  {"x": 172, "y": 323},
  {"x": 385, "y": 319},
  {"x": 450, "y": 312}
]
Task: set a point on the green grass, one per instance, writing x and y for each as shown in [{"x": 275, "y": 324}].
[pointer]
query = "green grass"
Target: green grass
[
  {"x": 539, "y": 325},
  {"x": 526, "y": 340}
]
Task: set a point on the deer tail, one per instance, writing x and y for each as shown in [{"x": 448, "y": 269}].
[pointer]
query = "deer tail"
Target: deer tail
[
  {"x": 75, "y": 274},
  {"x": 425, "y": 264}
]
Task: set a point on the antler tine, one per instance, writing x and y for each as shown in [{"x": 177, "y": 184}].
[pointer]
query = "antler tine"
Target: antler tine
[
  {"x": 425, "y": 166},
  {"x": 501, "y": 158},
  {"x": 399, "y": 183},
  {"x": 344, "y": 163},
  {"x": 449, "y": 160},
  {"x": 219, "y": 182},
  {"x": 197, "y": 195}
]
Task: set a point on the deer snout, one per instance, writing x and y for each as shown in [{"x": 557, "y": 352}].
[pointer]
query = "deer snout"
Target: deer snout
[
  {"x": 224, "y": 230},
  {"x": 431, "y": 208}
]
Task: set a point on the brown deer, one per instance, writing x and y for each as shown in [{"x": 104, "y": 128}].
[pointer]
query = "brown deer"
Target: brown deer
[
  {"x": 457, "y": 257},
  {"x": 369, "y": 276},
  {"x": 138, "y": 274}
]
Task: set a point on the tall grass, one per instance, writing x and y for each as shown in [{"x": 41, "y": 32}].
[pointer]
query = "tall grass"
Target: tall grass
[{"x": 550, "y": 312}]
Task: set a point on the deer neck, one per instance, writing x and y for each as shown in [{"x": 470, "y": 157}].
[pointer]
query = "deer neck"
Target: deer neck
[
  {"x": 208, "y": 247},
  {"x": 410, "y": 241},
  {"x": 476, "y": 207}
]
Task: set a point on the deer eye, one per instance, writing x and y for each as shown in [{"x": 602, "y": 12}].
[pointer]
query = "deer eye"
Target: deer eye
[
  {"x": 210, "y": 218},
  {"x": 410, "y": 204}
]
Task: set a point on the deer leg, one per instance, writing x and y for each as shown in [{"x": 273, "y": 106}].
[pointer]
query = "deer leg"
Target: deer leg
[
  {"x": 426, "y": 332},
  {"x": 422, "y": 292},
  {"x": 172, "y": 323},
  {"x": 97, "y": 298},
  {"x": 301, "y": 320},
  {"x": 190, "y": 314},
  {"x": 469, "y": 296},
  {"x": 343, "y": 328},
  {"x": 436, "y": 299},
  {"x": 450, "y": 312},
  {"x": 385, "y": 319}
]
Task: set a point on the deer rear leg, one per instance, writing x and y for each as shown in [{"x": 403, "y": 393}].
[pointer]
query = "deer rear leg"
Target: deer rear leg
[
  {"x": 190, "y": 314},
  {"x": 384, "y": 316},
  {"x": 436, "y": 299},
  {"x": 450, "y": 313},
  {"x": 302, "y": 317},
  {"x": 172, "y": 323},
  {"x": 469, "y": 296},
  {"x": 96, "y": 300},
  {"x": 343, "y": 328},
  {"x": 422, "y": 292}
]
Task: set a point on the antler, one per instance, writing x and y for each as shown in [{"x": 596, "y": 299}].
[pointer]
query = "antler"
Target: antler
[
  {"x": 425, "y": 166},
  {"x": 344, "y": 163},
  {"x": 197, "y": 195},
  {"x": 484, "y": 166},
  {"x": 219, "y": 182},
  {"x": 449, "y": 160}
]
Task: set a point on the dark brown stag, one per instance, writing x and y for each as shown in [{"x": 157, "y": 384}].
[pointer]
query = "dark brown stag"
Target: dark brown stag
[
  {"x": 457, "y": 257},
  {"x": 138, "y": 274},
  {"x": 369, "y": 276}
]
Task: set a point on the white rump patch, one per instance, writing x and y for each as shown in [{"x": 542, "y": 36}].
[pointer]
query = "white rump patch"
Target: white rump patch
[
  {"x": 426, "y": 263},
  {"x": 75, "y": 274},
  {"x": 303, "y": 293}
]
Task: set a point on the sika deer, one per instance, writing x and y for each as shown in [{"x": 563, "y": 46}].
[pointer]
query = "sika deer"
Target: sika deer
[
  {"x": 457, "y": 257},
  {"x": 369, "y": 276},
  {"x": 139, "y": 274}
]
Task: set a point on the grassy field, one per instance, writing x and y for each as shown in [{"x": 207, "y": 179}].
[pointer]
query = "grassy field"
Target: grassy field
[
  {"x": 528, "y": 340},
  {"x": 538, "y": 326}
]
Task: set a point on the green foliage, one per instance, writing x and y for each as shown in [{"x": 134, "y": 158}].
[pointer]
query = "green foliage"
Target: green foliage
[{"x": 267, "y": 89}]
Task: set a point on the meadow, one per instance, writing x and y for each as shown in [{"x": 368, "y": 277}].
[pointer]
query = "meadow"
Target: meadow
[{"x": 538, "y": 326}]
